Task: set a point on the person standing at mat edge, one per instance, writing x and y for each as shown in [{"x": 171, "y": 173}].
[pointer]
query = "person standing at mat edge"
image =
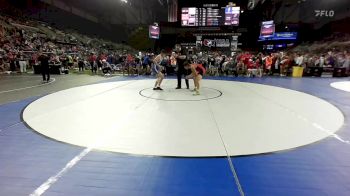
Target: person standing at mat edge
[
  {"x": 45, "y": 67},
  {"x": 181, "y": 57},
  {"x": 157, "y": 68}
]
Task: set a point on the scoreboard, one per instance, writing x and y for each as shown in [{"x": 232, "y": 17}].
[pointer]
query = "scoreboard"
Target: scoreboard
[{"x": 210, "y": 16}]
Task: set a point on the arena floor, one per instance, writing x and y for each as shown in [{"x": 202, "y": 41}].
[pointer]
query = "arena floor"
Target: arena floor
[{"x": 84, "y": 135}]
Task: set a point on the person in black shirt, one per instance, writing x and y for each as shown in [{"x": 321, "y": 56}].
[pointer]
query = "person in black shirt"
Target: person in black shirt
[
  {"x": 45, "y": 68},
  {"x": 81, "y": 64},
  {"x": 181, "y": 57}
]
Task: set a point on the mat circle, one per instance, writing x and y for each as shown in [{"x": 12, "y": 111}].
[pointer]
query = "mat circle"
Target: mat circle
[{"x": 169, "y": 94}]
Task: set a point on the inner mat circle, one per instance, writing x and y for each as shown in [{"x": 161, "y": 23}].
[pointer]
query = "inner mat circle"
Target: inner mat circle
[
  {"x": 172, "y": 94},
  {"x": 248, "y": 119}
]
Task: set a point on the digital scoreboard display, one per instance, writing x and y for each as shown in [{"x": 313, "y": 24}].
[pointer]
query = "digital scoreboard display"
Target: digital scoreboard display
[
  {"x": 210, "y": 16},
  {"x": 232, "y": 16}
]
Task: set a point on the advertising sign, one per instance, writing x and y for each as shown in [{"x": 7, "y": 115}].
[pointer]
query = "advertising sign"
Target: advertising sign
[{"x": 154, "y": 32}]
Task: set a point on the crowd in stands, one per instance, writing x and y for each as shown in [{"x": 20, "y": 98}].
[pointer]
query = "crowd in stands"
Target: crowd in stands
[
  {"x": 259, "y": 64},
  {"x": 22, "y": 41}
]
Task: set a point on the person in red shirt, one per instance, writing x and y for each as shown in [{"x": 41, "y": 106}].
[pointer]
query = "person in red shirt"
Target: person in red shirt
[
  {"x": 103, "y": 57},
  {"x": 129, "y": 59},
  {"x": 197, "y": 72},
  {"x": 129, "y": 63},
  {"x": 246, "y": 57},
  {"x": 33, "y": 60},
  {"x": 251, "y": 68},
  {"x": 92, "y": 61}
]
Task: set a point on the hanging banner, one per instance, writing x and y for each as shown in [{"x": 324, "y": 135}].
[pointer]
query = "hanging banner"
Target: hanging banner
[{"x": 219, "y": 43}]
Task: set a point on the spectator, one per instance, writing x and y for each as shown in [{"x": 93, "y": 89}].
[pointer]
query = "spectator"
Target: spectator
[
  {"x": 346, "y": 63},
  {"x": 22, "y": 64},
  {"x": 268, "y": 64},
  {"x": 322, "y": 61},
  {"x": 70, "y": 61},
  {"x": 81, "y": 64},
  {"x": 11, "y": 59},
  {"x": 92, "y": 60},
  {"x": 299, "y": 60}
]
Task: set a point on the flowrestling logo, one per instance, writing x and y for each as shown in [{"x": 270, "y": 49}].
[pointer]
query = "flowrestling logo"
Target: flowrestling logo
[{"x": 324, "y": 13}]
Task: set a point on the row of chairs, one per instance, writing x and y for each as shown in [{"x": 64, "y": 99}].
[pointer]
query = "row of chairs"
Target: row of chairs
[{"x": 125, "y": 69}]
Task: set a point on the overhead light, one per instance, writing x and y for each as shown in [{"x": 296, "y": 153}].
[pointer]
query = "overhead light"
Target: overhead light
[{"x": 124, "y": 1}]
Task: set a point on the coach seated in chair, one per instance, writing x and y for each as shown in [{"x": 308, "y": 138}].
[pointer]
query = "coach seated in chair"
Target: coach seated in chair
[
  {"x": 106, "y": 68},
  {"x": 230, "y": 68},
  {"x": 329, "y": 64},
  {"x": 55, "y": 64},
  {"x": 341, "y": 66}
]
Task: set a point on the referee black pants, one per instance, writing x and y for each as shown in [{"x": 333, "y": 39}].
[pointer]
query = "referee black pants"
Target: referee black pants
[{"x": 180, "y": 73}]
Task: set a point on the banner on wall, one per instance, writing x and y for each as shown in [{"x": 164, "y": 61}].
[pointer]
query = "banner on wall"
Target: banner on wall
[
  {"x": 208, "y": 43},
  {"x": 267, "y": 29},
  {"x": 154, "y": 32},
  {"x": 234, "y": 43},
  {"x": 219, "y": 43},
  {"x": 280, "y": 36}
]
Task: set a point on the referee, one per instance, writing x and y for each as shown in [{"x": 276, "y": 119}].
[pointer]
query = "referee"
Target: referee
[{"x": 181, "y": 57}]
